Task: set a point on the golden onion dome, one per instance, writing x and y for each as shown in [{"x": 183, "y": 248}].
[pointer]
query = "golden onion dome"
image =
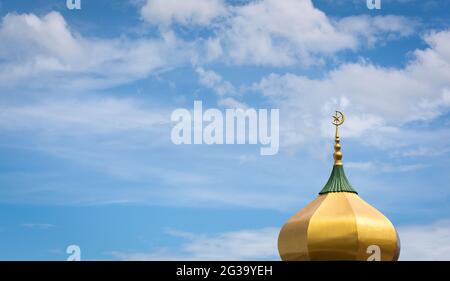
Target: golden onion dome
[{"x": 338, "y": 224}]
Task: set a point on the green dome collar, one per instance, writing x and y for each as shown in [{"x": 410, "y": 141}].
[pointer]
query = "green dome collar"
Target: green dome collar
[{"x": 337, "y": 182}]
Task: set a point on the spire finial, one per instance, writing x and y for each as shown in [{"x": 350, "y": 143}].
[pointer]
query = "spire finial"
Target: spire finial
[{"x": 338, "y": 119}]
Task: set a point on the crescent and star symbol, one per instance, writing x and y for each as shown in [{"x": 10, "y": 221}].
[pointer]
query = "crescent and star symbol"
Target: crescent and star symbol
[{"x": 338, "y": 118}]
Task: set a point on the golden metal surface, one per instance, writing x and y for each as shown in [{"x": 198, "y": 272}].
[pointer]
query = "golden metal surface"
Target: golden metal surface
[
  {"x": 373, "y": 229},
  {"x": 292, "y": 241},
  {"x": 337, "y": 226},
  {"x": 332, "y": 230}
]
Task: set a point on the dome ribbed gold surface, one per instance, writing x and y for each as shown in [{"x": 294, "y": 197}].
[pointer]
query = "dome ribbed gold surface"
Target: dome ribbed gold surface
[{"x": 338, "y": 224}]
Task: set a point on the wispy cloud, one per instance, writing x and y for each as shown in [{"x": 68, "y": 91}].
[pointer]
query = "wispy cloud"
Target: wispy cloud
[
  {"x": 37, "y": 225},
  {"x": 384, "y": 167},
  {"x": 214, "y": 81},
  {"x": 86, "y": 115},
  {"x": 425, "y": 242},
  {"x": 239, "y": 34},
  {"x": 257, "y": 244},
  {"x": 51, "y": 54},
  {"x": 188, "y": 12},
  {"x": 379, "y": 104}
]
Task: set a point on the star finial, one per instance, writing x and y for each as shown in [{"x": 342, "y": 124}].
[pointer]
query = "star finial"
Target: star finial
[{"x": 338, "y": 118}]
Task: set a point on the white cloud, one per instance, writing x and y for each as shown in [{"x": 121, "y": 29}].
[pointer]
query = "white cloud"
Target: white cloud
[
  {"x": 47, "y": 35},
  {"x": 224, "y": 89},
  {"x": 186, "y": 12},
  {"x": 360, "y": 165},
  {"x": 231, "y": 103},
  {"x": 384, "y": 167},
  {"x": 425, "y": 242},
  {"x": 82, "y": 116},
  {"x": 422, "y": 151},
  {"x": 377, "y": 100},
  {"x": 237, "y": 196},
  {"x": 374, "y": 29},
  {"x": 238, "y": 245},
  {"x": 214, "y": 81},
  {"x": 44, "y": 50},
  {"x": 298, "y": 33},
  {"x": 296, "y": 30},
  {"x": 95, "y": 132},
  {"x": 46, "y": 53},
  {"x": 259, "y": 244}
]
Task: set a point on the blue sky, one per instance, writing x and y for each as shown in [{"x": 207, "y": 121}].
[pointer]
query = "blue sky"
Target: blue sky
[{"x": 86, "y": 97}]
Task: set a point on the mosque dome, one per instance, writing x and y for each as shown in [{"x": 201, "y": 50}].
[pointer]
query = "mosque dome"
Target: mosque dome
[{"x": 338, "y": 224}]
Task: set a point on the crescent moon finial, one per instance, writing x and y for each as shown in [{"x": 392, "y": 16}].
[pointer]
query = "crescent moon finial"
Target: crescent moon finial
[{"x": 338, "y": 119}]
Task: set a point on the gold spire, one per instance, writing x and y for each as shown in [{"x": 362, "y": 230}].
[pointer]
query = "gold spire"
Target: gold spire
[{"x": 338, "y": 119}]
